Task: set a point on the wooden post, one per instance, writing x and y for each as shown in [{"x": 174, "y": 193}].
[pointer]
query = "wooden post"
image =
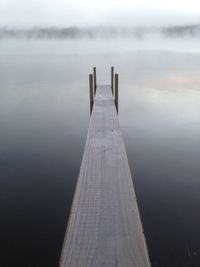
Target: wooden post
[
  {"x": 95, "y": 79},
  {"x": 112, "y": 79},
  {"x": 91, "y": 92},
  {"x": 116, "y": 91}
]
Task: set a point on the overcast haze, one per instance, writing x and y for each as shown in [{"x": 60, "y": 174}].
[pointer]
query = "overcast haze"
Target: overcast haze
[{"x": 29, "y": 13}]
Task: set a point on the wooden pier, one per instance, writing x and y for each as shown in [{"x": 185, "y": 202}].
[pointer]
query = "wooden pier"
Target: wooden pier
[{"x": 104, "y": 227}]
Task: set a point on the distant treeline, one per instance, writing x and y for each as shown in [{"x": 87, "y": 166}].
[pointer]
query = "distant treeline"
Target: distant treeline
[{"x": 99, "y": 32}]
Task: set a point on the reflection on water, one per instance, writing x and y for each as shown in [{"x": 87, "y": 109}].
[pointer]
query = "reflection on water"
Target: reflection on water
[
  {"x": 162, "y": 138},
  {"x": 44, "y": 115}
]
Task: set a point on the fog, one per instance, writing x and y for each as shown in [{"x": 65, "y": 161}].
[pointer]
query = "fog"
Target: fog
[
  {"x": 186, "y": 31},
  {"x": 63, "y": 13}
]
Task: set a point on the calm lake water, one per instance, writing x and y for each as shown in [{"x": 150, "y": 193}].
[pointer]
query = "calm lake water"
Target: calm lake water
[{"x": 44, "y": 117}]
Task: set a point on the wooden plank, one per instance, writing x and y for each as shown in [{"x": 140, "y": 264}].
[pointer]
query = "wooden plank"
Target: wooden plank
[{"x": 104, "y": 228}]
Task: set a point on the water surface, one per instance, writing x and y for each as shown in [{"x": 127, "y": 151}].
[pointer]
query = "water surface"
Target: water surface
[{"x": 44, "y": 116}]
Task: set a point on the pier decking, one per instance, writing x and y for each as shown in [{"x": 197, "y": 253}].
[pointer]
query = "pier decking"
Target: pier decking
[{"x": 104, "y": 227}]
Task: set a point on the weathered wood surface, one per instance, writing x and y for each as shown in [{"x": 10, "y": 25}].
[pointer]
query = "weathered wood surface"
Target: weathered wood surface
[{"x": 104, "y": 228}]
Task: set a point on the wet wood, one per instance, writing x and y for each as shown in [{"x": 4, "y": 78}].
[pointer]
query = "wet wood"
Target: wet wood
[
  {"x": 91, "y": 92},
  {"x": 112, "y": 79},
  {"x": 95, "y": 79},
  {"x": 104, "y": 228},
  {"x": 116, "y": 91}
]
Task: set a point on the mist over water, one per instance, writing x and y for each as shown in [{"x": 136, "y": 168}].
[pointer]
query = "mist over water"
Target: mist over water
[
  {"x": 102, "y": 32},
  {"x": 44, "y": 116}
]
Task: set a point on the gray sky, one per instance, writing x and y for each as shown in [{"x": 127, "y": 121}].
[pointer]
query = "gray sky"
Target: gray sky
[{"x": 27, "y": 13}]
